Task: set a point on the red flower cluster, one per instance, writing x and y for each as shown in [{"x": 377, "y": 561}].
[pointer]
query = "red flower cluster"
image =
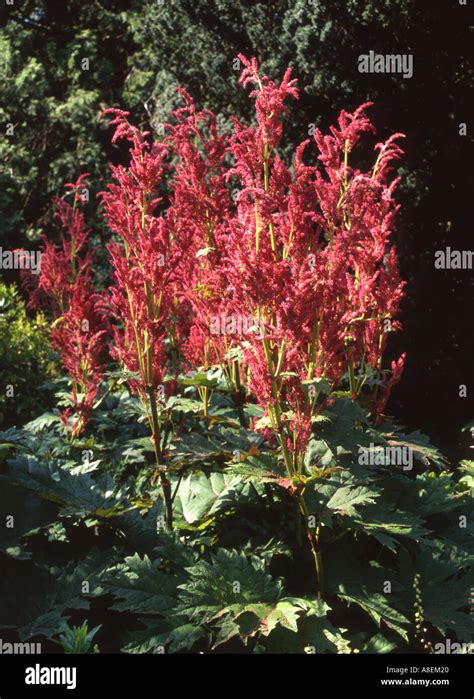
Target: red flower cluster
[
  {"x": 298, "y": 260},
  {"x": 199, "y": 199},
  {"x": 306, "y": 255},
  {"x": 65, "y": 287},
  {"x": 144, "y": 261},
  {"x": 282, "y": 273}
]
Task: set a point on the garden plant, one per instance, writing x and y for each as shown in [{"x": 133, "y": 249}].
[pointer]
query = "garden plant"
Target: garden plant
[{"x": 220, "y": 472}]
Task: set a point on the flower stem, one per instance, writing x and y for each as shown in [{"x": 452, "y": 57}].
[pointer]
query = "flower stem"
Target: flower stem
[
  {"x": 313, "y": 538},
  {"x": 156, "y": 437}
]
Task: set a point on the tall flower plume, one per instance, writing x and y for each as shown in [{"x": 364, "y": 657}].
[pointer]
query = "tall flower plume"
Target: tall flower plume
[{"x": 65, "y": 289}]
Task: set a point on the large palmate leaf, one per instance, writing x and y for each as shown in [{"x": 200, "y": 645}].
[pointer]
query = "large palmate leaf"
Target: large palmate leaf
[
  {"x": 261, "y": 469},
  {"x": 345, "y": 500},
  {"x": 209, "y": 379},
  {"x": 300, "y": 625},
  {"x": 235, "y": 596},
  {"x": 319, "y": 453},
  {"x": 378, "y": 644},
  {"x": 421, "y": 447},
  {"x": 147, "y": 585},
  {"x": 467, "y": 479},
  {"x": 388, "y": 524},
  {"x": 201, "y": 495},
  {"x": 184, "y": 404},
  {"x": 222, "y": 444},
  {"x": 31, "y": 443},
  {"x": 160, "y": 634},
  {"x": 42, "y": 422},
  {"x": 139, "y": 585},
  {"x": 193, "y": 448},
  {"x": 285, "y": 613},
  {"x": 76, "y": 493},
  {"x": 228, "y": 585},
  {"x": 229, "y": 595},
  {"x": 377, "y": 606},
  {"x": 437, "y": 493},
  {"x": 344, "y": 432}
]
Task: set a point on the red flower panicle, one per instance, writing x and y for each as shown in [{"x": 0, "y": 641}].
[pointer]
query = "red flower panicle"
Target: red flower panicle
[
  {"x": 65, "y": 288},
  {"x": 307, "y": 258},
  {"x": 141, "y": 297},
  {"x": 220, "y": 245},
  {"x": 199, "y": 200}
]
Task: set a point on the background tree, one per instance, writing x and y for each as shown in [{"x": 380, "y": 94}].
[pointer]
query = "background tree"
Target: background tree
[{"x": 62, "y": 63}]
